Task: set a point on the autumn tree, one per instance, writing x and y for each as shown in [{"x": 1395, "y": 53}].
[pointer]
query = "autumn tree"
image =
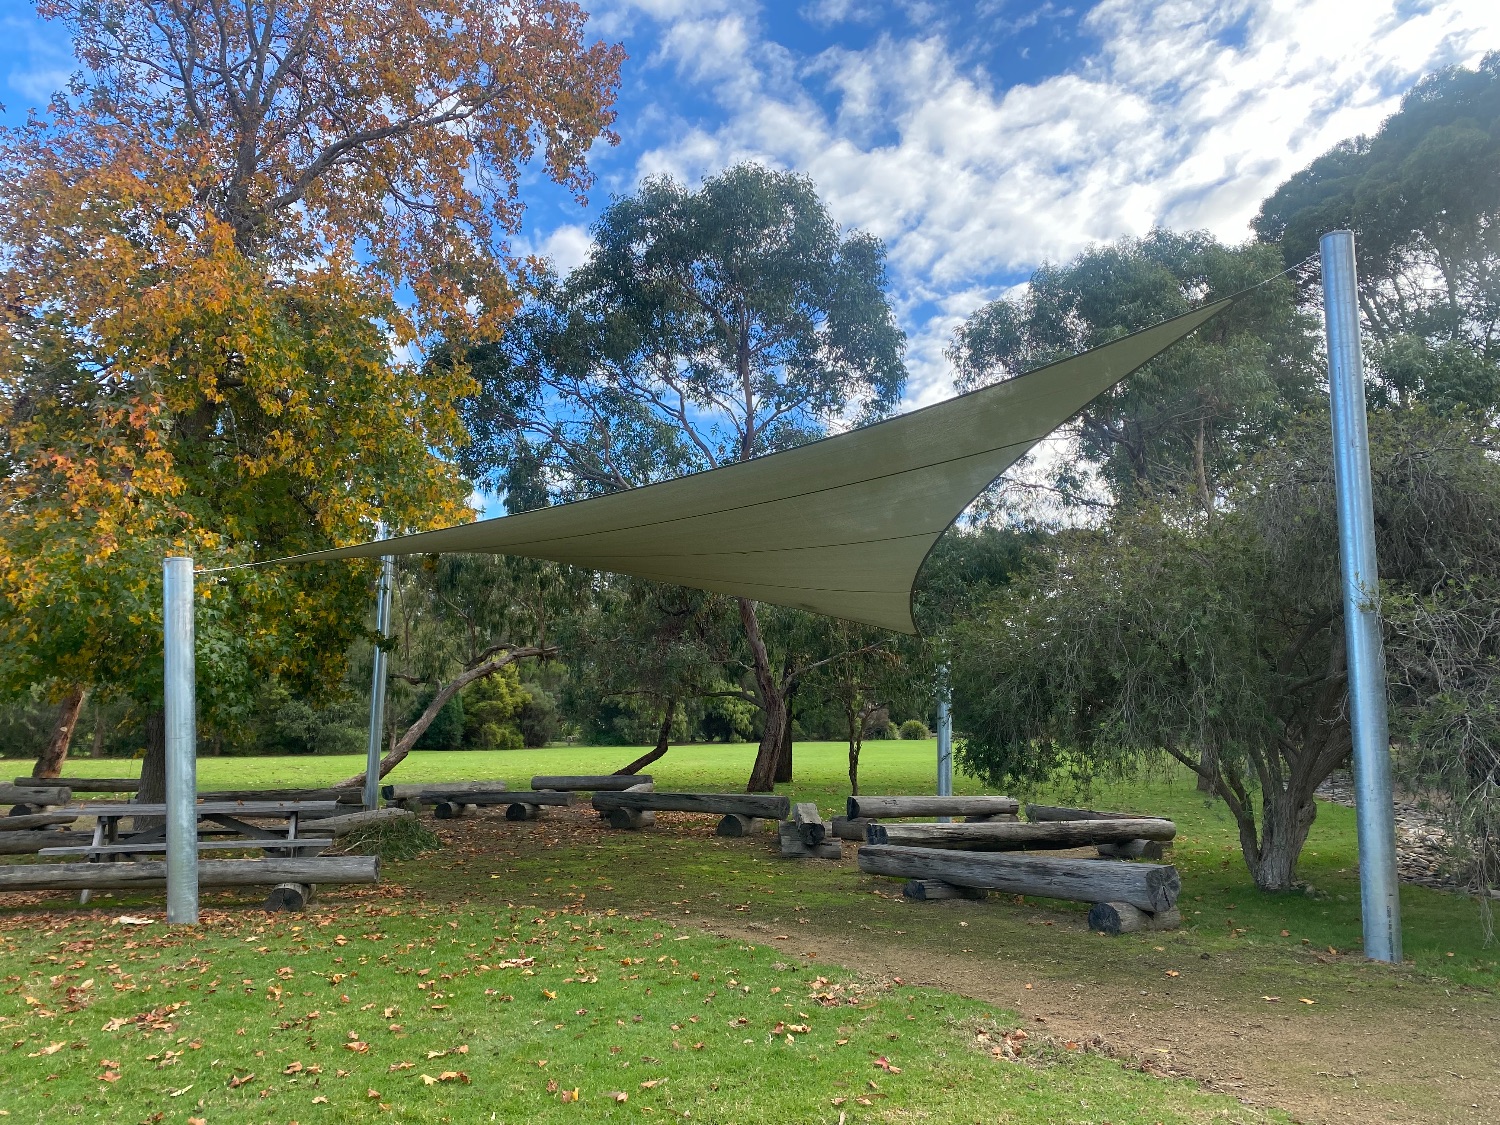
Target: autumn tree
[
  {"x": 205, "y": 236},
  {"x": 707, "y": 327}
]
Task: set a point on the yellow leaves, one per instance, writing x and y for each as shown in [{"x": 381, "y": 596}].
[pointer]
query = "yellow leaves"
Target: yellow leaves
[{"x": 50, "y": 1049}]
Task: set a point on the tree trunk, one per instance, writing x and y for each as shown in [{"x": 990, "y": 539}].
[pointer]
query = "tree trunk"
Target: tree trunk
[
  {"x": 1208, "y": 768},
  {"x": 663, "y": 741},
  {"x": 154, "y": 766},
  {"x": 772, "y": 702},
  {"x": 1286, "y": 818},
  {"x": 97, "y": 749},
  {"x": 784, "y": 759},
  {"x": 856, "y": 725},
  {"x": 398, "y": 752},
  {"x": 49, "y": 762}
]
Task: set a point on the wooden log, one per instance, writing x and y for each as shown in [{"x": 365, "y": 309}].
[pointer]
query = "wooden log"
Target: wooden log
[
  {"x": 846, "y": 829},
  {"x": 288, "y": 896},
  {"x": 34, "y": 795},
  {"x": 350, "y": 822},
  {"x": 735, "y": 825},
  {"x": 606, "y": 815},
  {"x": 1115, "y": 918},
  {"x": 29, "y": 843},
  {"x": 440, "y": 796},
  {"x": 211, "y": 873},
  {"x": 1060, "y": 812},
  {"x": 35, "y": 820},
  {"x": 447, "y": 788},
  {"x": 1005, "y": 836},
  {"x": 896, "y": 807},
  {"x": 519, "y": 811},
  {"x": 931, "y": 890},
  {"x": 312, "y": 844},
  {"x": 794, "y": 847},
  {"x": 450, "y": 810},
  {"x": 591, "y": 783},
  {"x": 809, "y": 823},
  {"x": 345, "y": 795},
  {"x": 1134, "y": 849},
  {"x": 1148, "y": 886},
  {"x": 83, "y": 784},
  {"x": 990, "y": 818},
  {"x": 768, "y": 806},
  {"x": 629, "y": 818},
  {"x": 544, "y": 797}
]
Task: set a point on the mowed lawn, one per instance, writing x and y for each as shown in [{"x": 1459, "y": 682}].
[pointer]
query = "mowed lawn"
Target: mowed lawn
[{"x": 668, "y": 973}]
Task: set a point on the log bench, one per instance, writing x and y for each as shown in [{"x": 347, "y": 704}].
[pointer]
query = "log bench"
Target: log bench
[
  {"x": 529, "y": 806},
  {"x": 1145, "y": 848},
  {"x": 1003, "y": 836},
  {"x": 83, "y": 784},
  {"x": 625, "y": 809},
  {"x": 1146, "y": 886},
  {"x": 895, "y": 808},
  {"x": 280, "y": 846},
  {"x": 591, "y": 783}
]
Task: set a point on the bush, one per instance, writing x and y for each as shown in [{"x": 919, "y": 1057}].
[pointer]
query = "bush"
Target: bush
[{"x": 915, "y": 728}]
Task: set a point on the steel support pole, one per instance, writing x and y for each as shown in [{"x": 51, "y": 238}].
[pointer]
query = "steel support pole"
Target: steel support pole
[
  {"x": 1379, "y": 891},
  {"x": 181, "y": 741},
  {"x": 378, "y": 678},
  {"x": 944, "y": 742}
]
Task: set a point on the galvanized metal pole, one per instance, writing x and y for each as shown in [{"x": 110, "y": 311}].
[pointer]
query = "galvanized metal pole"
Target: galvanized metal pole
[
  {"x": 378, "y": 678},
  {"x": 1379, "y": 891},
  {"x": 945, "y": 742},
  {"x": 181, "y": 741}
]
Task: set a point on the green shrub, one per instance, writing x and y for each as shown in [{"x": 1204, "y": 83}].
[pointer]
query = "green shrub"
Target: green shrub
[{"x": 915, "y": 728}]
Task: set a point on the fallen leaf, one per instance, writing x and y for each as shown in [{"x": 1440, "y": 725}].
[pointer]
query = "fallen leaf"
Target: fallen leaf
[
  {"x": 179, "y": 1093},
  {"x": 236, "y": 1083},
  {"x": 618, "y": 1095},
  {"x": 1271, "y": 999},
  {"x": 320, "y": 1100},
  {"x": 292, "y": 1068},
  {"x": 372, "y": 1093},
  {"x": 133, "y": 920},
  {"x": 50, "y": 1049},
  {"x": 1305, "y": 1000},
  {"x": 1173, "y": 973},
  {"x": 569, "y": 1095}
]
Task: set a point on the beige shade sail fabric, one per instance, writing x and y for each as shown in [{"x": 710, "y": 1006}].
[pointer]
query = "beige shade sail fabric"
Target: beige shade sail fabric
[{"x": 839, "y": 526}]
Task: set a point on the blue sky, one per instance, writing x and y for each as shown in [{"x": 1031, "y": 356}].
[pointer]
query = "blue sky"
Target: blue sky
[{"x": 977, "y": 137}]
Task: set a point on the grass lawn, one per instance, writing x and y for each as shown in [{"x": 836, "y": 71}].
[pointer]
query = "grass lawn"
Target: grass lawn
[{"x": 1218, "y": 999}]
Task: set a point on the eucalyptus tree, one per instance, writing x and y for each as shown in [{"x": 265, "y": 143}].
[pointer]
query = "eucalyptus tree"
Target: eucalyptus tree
[
  {"x": 1182, "y": 424},
  {"x": 707, "y": 327}
]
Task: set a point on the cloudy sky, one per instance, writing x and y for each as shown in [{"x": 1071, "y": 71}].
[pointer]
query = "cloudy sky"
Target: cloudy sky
[{"x": 979, "y": 138}]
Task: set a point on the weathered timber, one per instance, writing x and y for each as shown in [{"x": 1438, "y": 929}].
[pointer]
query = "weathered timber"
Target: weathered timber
[
  {"x": 545, "y": 797},
  {"x": 1003, "y": 836},
  {"x": 35, "y": 820},
  {"x": 211, "y": 873},
  {"x": 29, "y": 843},
  {"x": 629, "y": 818},
  {"x": 735, "y": 825},
  {"x": 986, "y": 818},
  {"x": 444, "y": 788},
  {"x": 1134, "y": 849},
  {"x": 83, "y": 784},
  {"x": 846, "y": 829},
  {"x": 931, "y": 890},
  {"x": 809, "y": 823},
  {"x": 345, "y": 795},
  {"x": 451, "y": 810},
  {"x": 1149, "y": 886},
  {"x": 794, "y": 847},
  {"x": 349, "y": 822},
  {"x": 444, "y": 796},
  {"x": 313, "y": 845},
  {"x": 252, "y": 809},
  {"x": 1058, "y": 812},
  {"x": 519, "y": 811},
  {"x": 288, "y": 896},
  {"x": 1115, "y": 918},
  {"x": 591, "y": 783},
  {"x": 34, "y": 794},
  {"x": 746, "y": 804},
  {"x": 896, "y": 807}
]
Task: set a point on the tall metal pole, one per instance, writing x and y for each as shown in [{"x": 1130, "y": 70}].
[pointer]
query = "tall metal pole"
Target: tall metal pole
[
  {"x": 944, "y": 741},
  {"x": 1380, "y": 901},
  {"x": 378, "y": 678},
  {"x": 181, "y": 741}
]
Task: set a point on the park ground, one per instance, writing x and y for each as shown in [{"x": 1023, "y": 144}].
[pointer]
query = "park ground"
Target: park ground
[{"x": 559, "y": 971}]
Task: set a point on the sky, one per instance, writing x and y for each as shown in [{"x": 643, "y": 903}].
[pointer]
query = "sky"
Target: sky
[{"x": 977, "y": 138}]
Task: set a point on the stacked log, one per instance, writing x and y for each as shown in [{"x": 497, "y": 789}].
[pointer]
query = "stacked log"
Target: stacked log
[
  {"x": 1006, "y": 836},
  {"x": 933, "y": 890},
  {"x": 618, "y": 817},
  {"x": 795, "y": 846},
  {"x": 735, "y": 825},
  {"x": 746, "y": 804},
  {"x": 343, "y": 795},
  {"x": 889, "y": 808},
  {"x": 592, "y": 783},
  {"x": 1144, "y": 848},
  {"x": 1149, "y": 887},
  {"x": 346, "y": 823},
  {"x": 29, "y": 843},
  {"x": 1115, "y": 918},
  {"x": 808, "y": 822},
  {"x": 440, "y": 789},
  {"x": 15, "y": 822},
  {"x": 33, "y": 797},
  {"x": 211, "y": 873},
  {"x": 846, "y": 829},
  {"x": 83, "y": 784},
  {"x": 528, "y": 806}
]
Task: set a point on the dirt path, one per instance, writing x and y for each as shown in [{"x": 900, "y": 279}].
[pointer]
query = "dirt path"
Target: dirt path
[{"x": 1429, "y": 1055}]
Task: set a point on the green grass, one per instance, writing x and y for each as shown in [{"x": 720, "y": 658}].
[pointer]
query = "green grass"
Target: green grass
[
  {"x": 472, "y": 1015},
  {"x": 1220, "y": 905}
]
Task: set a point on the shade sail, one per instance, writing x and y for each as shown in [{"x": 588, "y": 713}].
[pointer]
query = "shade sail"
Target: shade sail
[{"x": 838, "y": 527}]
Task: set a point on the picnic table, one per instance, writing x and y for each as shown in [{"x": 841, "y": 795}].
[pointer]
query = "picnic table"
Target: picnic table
[{"x": 215, "y": 818}]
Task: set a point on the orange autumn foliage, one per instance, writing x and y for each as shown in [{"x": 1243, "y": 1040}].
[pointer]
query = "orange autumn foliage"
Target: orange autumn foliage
[{"x": 201, "y": 343}]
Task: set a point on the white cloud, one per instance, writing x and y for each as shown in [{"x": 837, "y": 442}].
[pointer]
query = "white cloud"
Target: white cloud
[
  {"x": 567, "y": 247},
  {"x": 49, "y": 62},
  {"x": 1188, "y": 115}
]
